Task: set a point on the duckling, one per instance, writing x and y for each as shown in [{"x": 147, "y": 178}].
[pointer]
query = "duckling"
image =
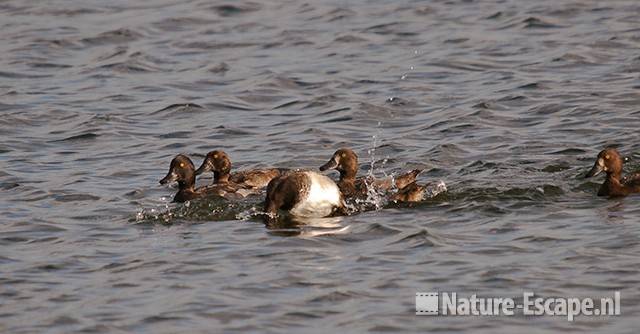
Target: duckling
[
  {"x": 610, "y": 161},
  {"x": 219, "y": 162},
  {"x": 345, "y": 161},
  {"x": 182, "y": 171},
  {"x": 304, "y": 194}
]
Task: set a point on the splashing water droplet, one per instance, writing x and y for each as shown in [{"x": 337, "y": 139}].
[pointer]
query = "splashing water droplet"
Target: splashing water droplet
[
  {"x": 374, "y": 197},
  {"x": 434, "y": 190},
  {"x": 250, "y": 213}
]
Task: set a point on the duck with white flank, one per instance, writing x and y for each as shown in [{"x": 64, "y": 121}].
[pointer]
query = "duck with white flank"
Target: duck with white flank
[{"x": 304, "y": 194}]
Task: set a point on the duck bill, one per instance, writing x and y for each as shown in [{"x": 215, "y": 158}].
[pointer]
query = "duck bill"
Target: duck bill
[
  {"x": 597, "y": 169},
  {"x": 205, "y": 167},
  {"x": 331, "y": 164},
  {"x": 171, "y": 177}
]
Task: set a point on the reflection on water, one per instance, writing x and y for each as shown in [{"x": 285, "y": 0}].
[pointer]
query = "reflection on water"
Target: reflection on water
[
  {"x": 288, "y": 226},
  {"x": 614, "y": 213}
]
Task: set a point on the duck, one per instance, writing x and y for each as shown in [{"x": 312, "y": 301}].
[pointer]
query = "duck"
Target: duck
[
  {"x": 610, "y": 162},
  {"x": 182, "y": 171},
  {"x": 412, "y": 192},
  {"x": 219, "y": 163},
  {"x": 305, "y": 194},
  {"x": 345, "y": 161},
  {"x": 415, "y": 192}
]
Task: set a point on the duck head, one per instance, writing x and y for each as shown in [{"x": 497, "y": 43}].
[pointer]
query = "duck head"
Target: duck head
[
  {"x": 344, "y": 161},
  {"x": 217, "y": 162},
  {"x": 181, "y": 171},
  {"x": 609, "y": 161}
]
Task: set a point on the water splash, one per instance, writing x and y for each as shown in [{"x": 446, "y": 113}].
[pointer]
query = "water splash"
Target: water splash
[
  {"x": 372, "y": 151},
  {"x": 209, "y": 209},
  {"x": 377, "y": 199},
  {"x": 161, "y": 214},
  {"x": 434, "y": 189},
  {"x": 374, "y": 196},
  {"x": 253, "y": 212},
  {"x": 411, "y": 68}
]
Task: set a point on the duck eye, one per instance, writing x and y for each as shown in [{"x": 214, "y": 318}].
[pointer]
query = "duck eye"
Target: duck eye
[
  {"x": 182, "y": 164},
  {"x": 215, "y": 156},
  {"x": 606, "y": 157},
  {"x": 343, "y": 155}
]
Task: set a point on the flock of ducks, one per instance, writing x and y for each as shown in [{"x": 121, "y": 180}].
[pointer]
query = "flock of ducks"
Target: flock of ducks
[
  {"x": 306, "y": 193},
  {"x": 302, "y": 193}
]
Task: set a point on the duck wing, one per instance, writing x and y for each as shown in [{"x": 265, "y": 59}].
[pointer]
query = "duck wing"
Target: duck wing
[
  {"x": 228, "y": 190},
  {"x": 401, "y": 181},
  {"x": 256, "y": 178},
  {"x": 631, "y": 180}
]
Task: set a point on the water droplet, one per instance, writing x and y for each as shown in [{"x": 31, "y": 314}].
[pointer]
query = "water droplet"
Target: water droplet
[{"x": 434, "y": 190}]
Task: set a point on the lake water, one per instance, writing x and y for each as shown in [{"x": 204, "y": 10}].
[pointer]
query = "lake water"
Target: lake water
[{"x": 508, "y": 102}]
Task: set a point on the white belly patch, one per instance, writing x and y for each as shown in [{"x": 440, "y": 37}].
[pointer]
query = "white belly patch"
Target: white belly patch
[{"x": 323, "y": 197}]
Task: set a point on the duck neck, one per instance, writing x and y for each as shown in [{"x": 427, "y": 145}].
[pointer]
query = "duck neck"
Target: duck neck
[
  {"x": 187, "y": 184},
  {"x": 614, "y": 176},
  {"x": 348, "y": 176},
  {"x": 220, "y": 177}
]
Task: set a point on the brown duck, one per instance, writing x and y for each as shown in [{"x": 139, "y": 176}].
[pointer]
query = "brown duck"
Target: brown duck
[
  {"x": 345, "y": 161},
  {"x": 413, "y": 192},
  {"x": 219, "y": 163},
  {"x": 610, "y": 162},
  {"x": 182, "y": 171}
]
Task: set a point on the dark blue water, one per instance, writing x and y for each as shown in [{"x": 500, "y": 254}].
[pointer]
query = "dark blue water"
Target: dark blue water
[{"x": 508, "y": 102}]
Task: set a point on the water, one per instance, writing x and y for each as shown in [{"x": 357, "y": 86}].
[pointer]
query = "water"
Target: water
[{"x": 508, "y": 102}]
